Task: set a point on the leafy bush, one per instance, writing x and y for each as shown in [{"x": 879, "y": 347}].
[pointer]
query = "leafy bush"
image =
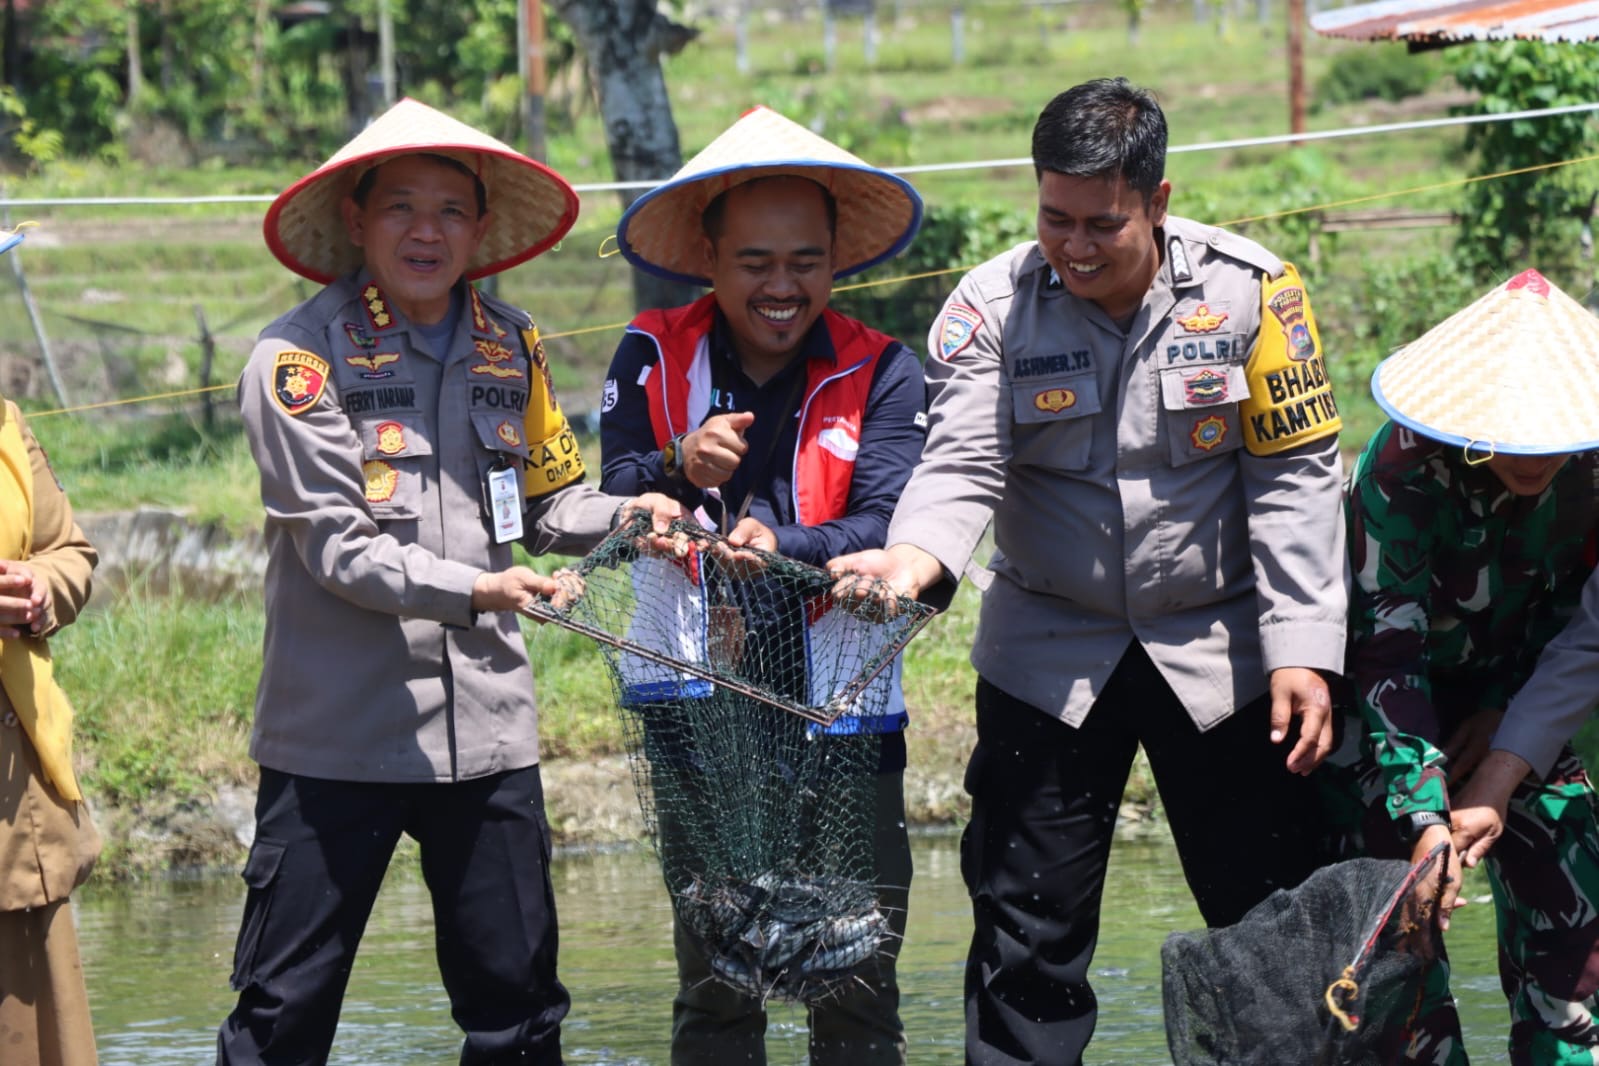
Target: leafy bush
[
  {"x": 954, "y": 238},
  {"x": 1376, "y": 72}
]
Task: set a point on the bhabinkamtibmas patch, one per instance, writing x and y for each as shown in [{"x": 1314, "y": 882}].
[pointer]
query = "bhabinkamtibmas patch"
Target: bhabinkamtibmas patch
[
  {"x": 553, "y": 460},
  {"x": 1290, "y": 396},
  {"x": 298, "y": 379}
]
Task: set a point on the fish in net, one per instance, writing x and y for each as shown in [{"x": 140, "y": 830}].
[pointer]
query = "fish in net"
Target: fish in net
[
  {"x": 1331, "y": 972},
  {"x": 747, "y": 691}
]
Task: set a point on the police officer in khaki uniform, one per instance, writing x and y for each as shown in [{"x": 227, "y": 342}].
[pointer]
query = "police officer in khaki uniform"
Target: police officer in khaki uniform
[
  {"x": 1140, "y": 403},
  {"x": 47, "y": 842},
  {"x": 407, "y": 436}
]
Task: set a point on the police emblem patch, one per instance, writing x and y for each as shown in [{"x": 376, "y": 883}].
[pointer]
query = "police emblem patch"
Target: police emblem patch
[
  {"x": 391, "y": 438},
  {"x": 1208, "y": 432},
  {"x": 608, "y": 395},
  {"x": 508, "y": 432},
  {"x": 959, "y": 326},
  {"x": 1203, "y": 319},
  {"x": 381, "y": 480},
  {"x": 1205, "y": 386},
  {"x": 298, "y": 379},
  {"x": 1054, "y": 401}
]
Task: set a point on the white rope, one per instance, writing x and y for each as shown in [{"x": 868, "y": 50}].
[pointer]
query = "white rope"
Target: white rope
[{"x": 926, "y": 168}]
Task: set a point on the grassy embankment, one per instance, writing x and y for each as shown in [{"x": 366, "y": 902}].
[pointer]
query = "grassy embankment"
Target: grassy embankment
[{"x": 164, "y": 686}]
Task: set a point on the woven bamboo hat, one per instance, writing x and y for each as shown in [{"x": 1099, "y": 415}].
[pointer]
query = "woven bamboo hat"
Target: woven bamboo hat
[
  {"x": 533, "y": 206},
  {"x": 878, "y": 213},
  {"x": 1515, "y": 372}
]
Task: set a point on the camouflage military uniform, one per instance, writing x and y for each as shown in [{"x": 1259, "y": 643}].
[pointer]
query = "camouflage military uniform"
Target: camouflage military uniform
[{"x": 1459, "y": 585}]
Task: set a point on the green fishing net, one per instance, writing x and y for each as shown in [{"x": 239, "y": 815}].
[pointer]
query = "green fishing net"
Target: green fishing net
[{"x": 751, "y": 697}]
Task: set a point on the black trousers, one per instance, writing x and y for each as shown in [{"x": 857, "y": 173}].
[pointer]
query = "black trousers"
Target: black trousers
[
  {"x": 314, "y": 871},
  {"x": 1044, "y": 803}
]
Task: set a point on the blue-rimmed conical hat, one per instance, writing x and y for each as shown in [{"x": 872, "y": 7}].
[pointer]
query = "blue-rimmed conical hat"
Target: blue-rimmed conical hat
[
  {"x": 1515, "y": 372},
  {"x": 878, "y": 212}
]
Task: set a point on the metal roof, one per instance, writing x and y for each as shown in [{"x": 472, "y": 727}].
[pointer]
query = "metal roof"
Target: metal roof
[{"x": 1437, "y": 22}]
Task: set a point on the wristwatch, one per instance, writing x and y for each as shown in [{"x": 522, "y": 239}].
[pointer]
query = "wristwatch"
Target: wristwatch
[
  {"x": 1411, "y": 826},
  {"x": 672, "y": 457}
]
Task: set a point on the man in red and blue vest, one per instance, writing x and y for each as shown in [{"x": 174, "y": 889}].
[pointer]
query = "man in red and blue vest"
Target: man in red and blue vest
[{"x": 791, "y": 427}]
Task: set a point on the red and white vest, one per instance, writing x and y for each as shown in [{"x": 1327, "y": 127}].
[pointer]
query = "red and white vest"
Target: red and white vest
[{"x": 831, "y": 416}]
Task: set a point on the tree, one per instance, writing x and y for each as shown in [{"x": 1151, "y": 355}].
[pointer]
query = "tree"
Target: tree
[
  {"x": 1533, "y": 218},
  {"x": 624, "y": 41}
]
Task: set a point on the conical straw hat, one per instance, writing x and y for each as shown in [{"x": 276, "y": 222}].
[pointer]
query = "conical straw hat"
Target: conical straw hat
[
  {"x": 1515, "y": 372},
  {"x": 878, "y": 213},
  {"x": 532, "y": 206}
]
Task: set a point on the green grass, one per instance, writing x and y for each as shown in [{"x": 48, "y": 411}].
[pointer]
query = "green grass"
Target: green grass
[{"x": 165, "y": 688}]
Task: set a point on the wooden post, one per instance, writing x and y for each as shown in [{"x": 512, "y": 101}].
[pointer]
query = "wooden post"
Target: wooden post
[
  {"x": 1296, "y": 67},
  {"x": 531, "y": 66},
  {"x": 743, "y": 36},
  {"x": 957, "y": 35},
  {"x": 386, "y": 53},
  {"x": 208, "y": 354},
  {"x": 829, "y": 38},
  {"x": 869, "y": 42}
]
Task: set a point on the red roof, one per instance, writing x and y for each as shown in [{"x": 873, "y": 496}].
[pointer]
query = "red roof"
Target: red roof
[{"x": 1449, "y": 21}]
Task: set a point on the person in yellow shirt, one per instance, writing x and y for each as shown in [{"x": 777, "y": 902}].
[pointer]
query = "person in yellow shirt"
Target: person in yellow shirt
[{"x": 47, "y": 842}]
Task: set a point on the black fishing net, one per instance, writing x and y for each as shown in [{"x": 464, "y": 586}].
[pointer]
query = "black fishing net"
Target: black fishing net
[
  {"x": 1332, "y": 972},
  {"x": 748, "y": 693}
]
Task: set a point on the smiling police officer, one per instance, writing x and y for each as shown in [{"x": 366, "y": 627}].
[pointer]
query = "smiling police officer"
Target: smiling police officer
[
  {"x": 407, "y": 436},
  {"x": 1137, "y": 401}
]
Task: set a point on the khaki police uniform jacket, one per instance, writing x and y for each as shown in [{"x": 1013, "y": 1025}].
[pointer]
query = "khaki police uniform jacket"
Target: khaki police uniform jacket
[
  {"x": 47, "y": 844},
  {"x": 1124, "y": 503},
  {"x": 373, "y": 455}
]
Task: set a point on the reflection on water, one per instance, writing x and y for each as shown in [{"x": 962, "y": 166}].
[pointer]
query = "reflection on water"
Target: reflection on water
[{"x": 158, "y": 956}]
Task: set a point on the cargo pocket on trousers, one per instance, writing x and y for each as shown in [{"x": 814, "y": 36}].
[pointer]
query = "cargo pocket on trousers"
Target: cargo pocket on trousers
[{"x": 260, "y": 874}]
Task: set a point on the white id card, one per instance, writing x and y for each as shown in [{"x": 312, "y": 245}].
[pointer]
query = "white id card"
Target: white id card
[{"x": 505, "y": 504}]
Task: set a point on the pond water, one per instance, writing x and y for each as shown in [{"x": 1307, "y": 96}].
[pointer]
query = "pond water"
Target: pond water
[{"x": 157, "y": 957}]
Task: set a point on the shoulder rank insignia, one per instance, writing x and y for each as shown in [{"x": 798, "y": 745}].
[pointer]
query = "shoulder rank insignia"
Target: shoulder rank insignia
[
  {"x": 1182, "y": 271},
  {"x": 1290, "y": 398},
  {"x": 957, "y": 330},
  {"x": 1204, "y": 319},
  {"x": 298, "y": 379},
  {"x": 377, "y": 308}
]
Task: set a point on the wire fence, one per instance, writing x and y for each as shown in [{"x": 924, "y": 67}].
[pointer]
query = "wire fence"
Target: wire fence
[{"x": 155, "y": 315}]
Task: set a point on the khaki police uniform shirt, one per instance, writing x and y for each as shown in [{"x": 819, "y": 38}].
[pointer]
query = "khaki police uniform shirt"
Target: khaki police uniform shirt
[
  {"x": 373, "y": 453},
  {"x": 1124, "y": 505}
]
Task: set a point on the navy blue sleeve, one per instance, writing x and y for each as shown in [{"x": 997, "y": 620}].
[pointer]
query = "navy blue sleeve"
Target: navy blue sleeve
[
  {"x": 892, "y": 435},
  {"x": 630, "y": 460}
]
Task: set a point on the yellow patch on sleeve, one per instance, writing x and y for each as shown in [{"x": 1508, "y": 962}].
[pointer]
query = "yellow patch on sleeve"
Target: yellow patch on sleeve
[
  {"x": 553, "y": 459},
  {"x": 1290, "y": 395}
]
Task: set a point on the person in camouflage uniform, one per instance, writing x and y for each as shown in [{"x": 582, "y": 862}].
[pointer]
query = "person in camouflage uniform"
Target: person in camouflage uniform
[{"x": 1470, "y": 540}]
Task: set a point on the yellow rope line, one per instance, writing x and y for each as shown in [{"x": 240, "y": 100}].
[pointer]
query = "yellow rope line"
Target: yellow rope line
[{"x": 1329, "y": 206}]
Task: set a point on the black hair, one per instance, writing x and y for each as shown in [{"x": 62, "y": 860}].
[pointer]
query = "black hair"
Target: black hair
[
  {"x": 1105, "y": 128},
  {"x": 711, "y": 219},
  {"x": 363, "y": 188}
]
